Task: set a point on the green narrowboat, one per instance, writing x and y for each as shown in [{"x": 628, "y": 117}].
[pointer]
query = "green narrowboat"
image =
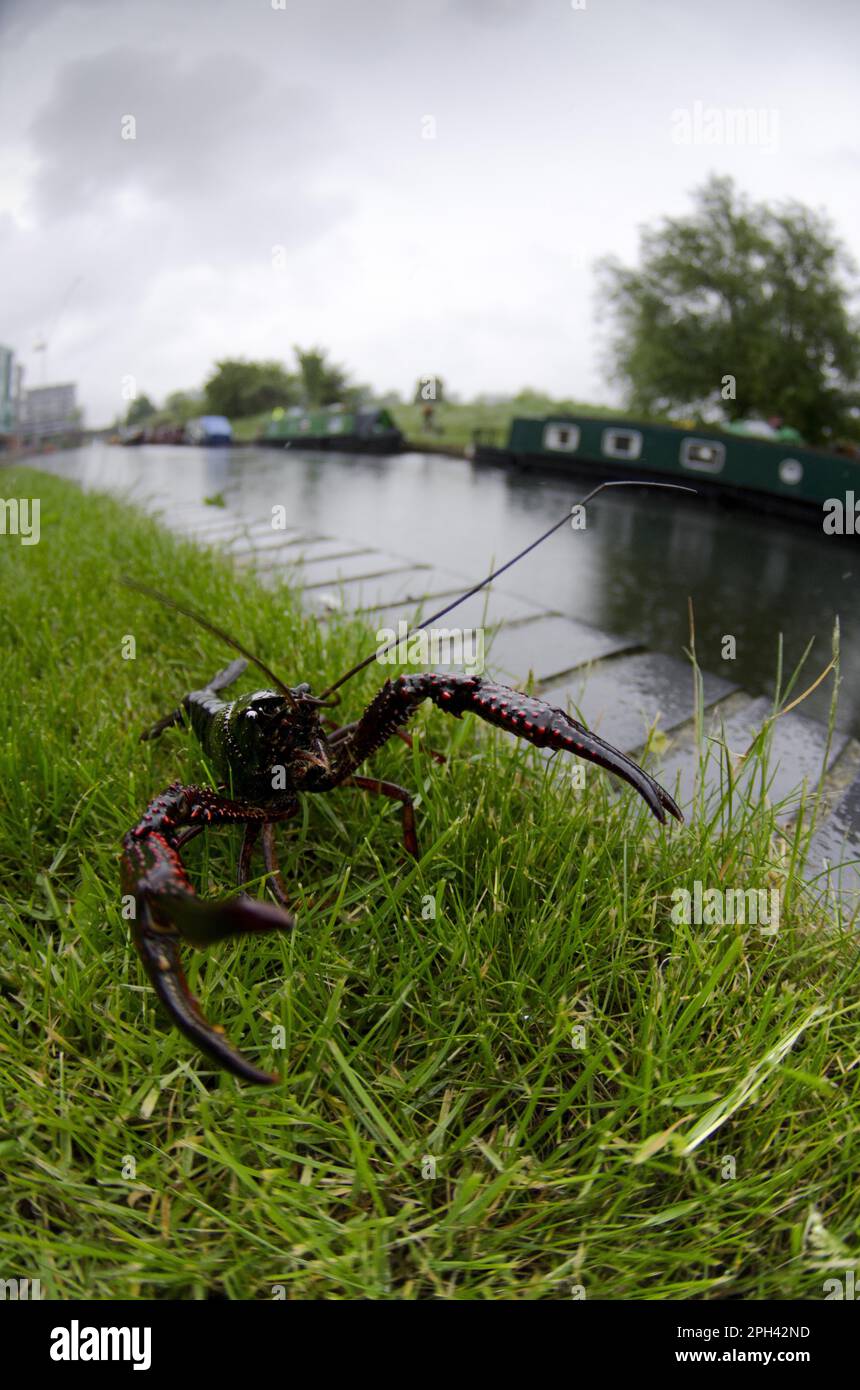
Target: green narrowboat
[
  {"x": 771, "y": 474},
  {"x": 370, "y": 430}
]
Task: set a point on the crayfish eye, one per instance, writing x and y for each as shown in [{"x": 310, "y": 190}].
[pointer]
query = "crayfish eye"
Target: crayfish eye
[{"x": 251, "y": 724}]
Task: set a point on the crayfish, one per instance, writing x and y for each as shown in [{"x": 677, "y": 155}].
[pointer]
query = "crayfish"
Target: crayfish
[{"x": 270, "y": 748}]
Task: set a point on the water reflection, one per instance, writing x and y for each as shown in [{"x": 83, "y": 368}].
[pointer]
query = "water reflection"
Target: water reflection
[{"x": 630, "y": 571}]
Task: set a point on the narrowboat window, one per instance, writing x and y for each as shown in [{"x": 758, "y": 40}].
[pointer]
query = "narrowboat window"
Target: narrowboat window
[
  {"x": 621, "y": 444},
  {"x": 562, "y": 436},
  {"x": 791, "y": 471},
  {"x": 703, "y": 455}
]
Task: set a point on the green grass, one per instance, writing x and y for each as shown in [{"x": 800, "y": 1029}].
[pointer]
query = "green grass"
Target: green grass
[
  {"x": 249, "y": 427},
  {"x": 557, "y": 1165},
  {"x": 454, "y": 423}
]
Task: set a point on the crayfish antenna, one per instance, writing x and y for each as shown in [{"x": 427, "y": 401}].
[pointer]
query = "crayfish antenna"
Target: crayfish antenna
[
  {"x": 208, "y": 626},
  {"x": 476, "y": 588}
]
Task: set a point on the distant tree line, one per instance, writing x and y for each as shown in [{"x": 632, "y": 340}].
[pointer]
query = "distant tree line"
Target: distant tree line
[
  {"x": 738, "y": 310},
  {"x": 237, "y": 388}
]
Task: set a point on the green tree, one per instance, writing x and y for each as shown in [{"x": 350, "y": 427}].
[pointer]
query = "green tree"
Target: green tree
[
  {"x": 322, "y": 382},
  {"x": 237, "y": 388},
  {"x": 531, "y": 399},
  {"x": 740, "y": 307},
  {"x": 183, "y": 405},
  {"x": 357, "y": 396},
  {"x": 140, "y": 409}
]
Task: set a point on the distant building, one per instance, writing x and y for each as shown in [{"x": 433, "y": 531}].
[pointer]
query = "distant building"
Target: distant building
[
  {"x": 49, "y": 411},
  {"x": 9, "y": 383}
]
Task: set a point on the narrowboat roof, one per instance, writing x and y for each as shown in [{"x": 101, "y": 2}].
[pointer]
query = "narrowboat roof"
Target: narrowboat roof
[
  {"x": 777, "y": 442},
  {"x": 772, "y": 472}
]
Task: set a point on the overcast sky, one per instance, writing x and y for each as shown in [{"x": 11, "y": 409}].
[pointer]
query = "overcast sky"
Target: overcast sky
[{"x": 281, "y": 187}]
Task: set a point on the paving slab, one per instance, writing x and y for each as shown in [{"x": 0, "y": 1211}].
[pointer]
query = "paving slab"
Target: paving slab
[
  {"x": 797, "y": 753},
  {"x": 834, "y": 852},
  {"x": 489, "y": 608},
  {"x": 302, "y": 550},
  {"x": 365, "y": 565},
  {"x": 229, "y": 529},
  {"x": 547, "y": 648},
  {"x": 288, "y": 549},
  {"x": 206, "y": 518},
  {"x": 621, "y": 699},
  {"x": 224, "y": 536},
  {"x": 382, "y": 599},
  {"x": 207, "y": 535},
  {"x": 255, "y": 540}
]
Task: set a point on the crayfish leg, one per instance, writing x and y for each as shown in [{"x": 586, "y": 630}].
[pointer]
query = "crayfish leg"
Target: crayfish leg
[{"x": 397, "y": 793}]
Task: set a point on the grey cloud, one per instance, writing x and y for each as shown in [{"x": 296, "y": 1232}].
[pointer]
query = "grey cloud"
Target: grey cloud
[
  {"x": 226, "y": 165},
  {"x": 301, "y": 127},
  {"x": 202, "y": 126},
  {"x": 18, "y": 18},
  {"x": 492, "y": 13}
]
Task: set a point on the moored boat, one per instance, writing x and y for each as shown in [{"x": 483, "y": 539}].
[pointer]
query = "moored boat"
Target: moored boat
[
  {"x": 209, "y": 430},
  {"x": 772, "y": 474},
  {"x": 132, "y": 434},
  {"x": 370, "y": 430}
]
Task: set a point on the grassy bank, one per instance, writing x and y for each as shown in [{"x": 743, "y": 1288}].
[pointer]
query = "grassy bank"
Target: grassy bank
[
  {"x": 454, "y": 424},
  {"x": 508, "y": 1072}
]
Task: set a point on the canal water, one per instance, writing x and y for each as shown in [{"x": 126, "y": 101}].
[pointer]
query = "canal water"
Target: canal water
[{"x": 631, "y": 571}]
